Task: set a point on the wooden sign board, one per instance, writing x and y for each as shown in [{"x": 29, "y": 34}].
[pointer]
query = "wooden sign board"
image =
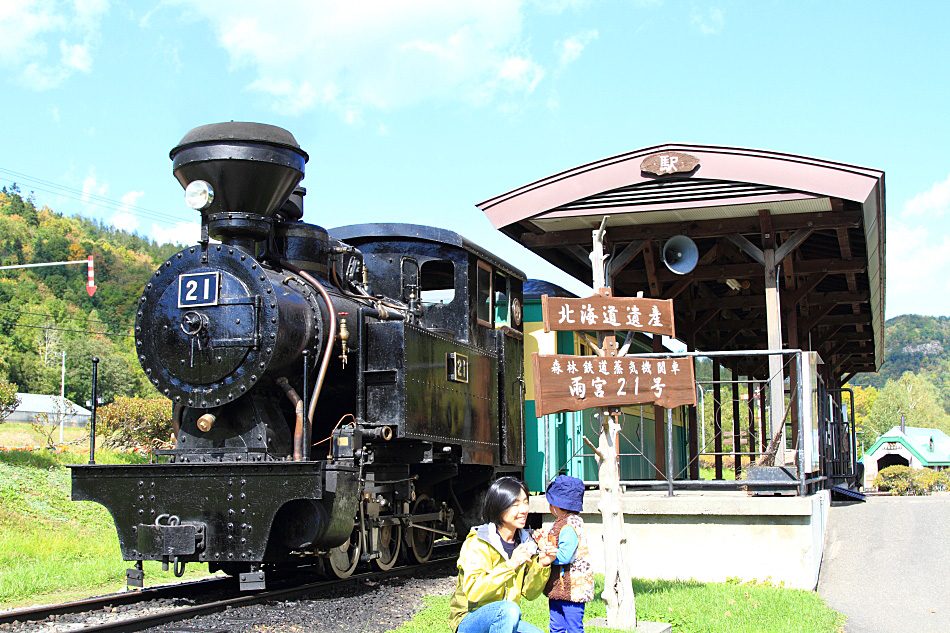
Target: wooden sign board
[
  {"x": 603, "y": 312},
  {"x": 668, "y": 163},
  {"x": 572, "y": 383}
]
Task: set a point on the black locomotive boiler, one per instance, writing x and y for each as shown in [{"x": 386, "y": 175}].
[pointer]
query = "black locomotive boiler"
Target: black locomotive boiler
[{"x": 338, "y": 396}]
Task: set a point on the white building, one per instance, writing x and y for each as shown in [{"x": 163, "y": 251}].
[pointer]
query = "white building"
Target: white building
[{"x": 33, "y": 405}]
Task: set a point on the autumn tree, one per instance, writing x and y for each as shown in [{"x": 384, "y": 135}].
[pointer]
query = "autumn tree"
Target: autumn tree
[
  {"x": 9, "y": 400},
  {"x": 912, "y": 396}
]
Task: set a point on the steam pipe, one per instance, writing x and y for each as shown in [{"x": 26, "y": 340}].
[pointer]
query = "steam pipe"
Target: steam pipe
[
  {"x": 299, "y": 431},
  {"x": 306, "y": 380},
  {"x": 177, "y": 411},
  {"x": 331, "y": 335}
]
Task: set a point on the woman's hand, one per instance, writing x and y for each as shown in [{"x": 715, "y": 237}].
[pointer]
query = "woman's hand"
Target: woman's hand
[
  {"x": 522, "y": 554},
  {"x": 548, "y": 554}
]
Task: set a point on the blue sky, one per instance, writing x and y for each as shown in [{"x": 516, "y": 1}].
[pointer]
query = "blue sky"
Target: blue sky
[{"x": 414, "y": 111}]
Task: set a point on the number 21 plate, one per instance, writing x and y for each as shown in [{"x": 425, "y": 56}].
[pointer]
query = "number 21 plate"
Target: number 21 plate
[{"x": 197, "y": 289}]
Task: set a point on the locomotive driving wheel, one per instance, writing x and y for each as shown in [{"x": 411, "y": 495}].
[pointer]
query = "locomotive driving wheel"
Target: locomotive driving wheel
[
  {"x": 390, "y": 541},
  {"x": 342, "y": 560},
  {"x": 421, "y": 541}
]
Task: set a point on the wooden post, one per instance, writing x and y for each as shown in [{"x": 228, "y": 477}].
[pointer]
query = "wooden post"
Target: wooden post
[
  {"x": 773, "y": 318},
  {"x": 618, "y": 586}
]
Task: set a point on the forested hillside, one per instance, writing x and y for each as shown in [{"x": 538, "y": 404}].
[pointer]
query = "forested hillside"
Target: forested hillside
[
  {"x": 914, "y": 380},
  {"x": 45, "y": 312}
]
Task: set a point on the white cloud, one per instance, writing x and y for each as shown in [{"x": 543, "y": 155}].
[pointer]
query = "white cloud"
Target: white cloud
[
  {"x": 31, "y": 30},
  {"x": 918, "y": 270},
  {"x": 125, "y": 218},
  {"x": 709, "y": 23},
  {"x": 559, "y": 6},
  {"x": 375, "y": 54},
  {"x": 91, "y": 188},
  {"x": 54, "y": 112},
  {"x": 76, "y": 56},
  {"x": 571, "y": 48},
  {"x": 935, "y": 202},
  {"x": 124, "y": 222},
  {"x": 130, "y": 199},
  {"x": 183, "y": 233}
]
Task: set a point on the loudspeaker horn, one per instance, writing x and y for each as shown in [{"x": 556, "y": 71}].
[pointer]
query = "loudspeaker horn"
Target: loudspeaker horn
[{"x": 680, "y": 254}]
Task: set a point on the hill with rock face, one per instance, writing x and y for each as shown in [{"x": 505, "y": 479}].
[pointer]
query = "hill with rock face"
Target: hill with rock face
[{"x": 918, "y": 344}]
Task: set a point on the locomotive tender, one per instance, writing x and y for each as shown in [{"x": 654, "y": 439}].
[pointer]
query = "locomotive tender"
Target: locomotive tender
[{"x": 338, "y": 396}]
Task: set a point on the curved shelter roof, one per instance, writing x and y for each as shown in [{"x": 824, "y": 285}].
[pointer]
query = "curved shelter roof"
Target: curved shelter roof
[{"x": 823, "y": 220}]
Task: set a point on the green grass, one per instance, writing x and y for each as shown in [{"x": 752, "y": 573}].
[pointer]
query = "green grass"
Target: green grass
[
  {"x": 690, "y": 606},
  {"x": 23, "y": 434},
  {"x": 710, "y": 473},
  {"x": 52, "y": 547}
]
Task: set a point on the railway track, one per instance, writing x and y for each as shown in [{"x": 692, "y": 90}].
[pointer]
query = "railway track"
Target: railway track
[{"x": 177, "y": 602}]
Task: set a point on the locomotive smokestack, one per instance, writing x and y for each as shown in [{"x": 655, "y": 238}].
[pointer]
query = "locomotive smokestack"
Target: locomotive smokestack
[{"x": 238, "y": 175}]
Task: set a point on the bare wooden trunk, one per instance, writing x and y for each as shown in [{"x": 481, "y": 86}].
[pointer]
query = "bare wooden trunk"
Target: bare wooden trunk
[{"x": 618, "y": 589}]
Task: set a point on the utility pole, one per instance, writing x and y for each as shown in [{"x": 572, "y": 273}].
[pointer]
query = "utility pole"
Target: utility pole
[{"x": 62, "y": 398}]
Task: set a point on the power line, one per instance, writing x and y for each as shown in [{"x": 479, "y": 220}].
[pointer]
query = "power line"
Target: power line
[
  {"x": 85, "y": 197},
  {"x": 59, "y": 329},
  {"x": 50, "y": 316}
]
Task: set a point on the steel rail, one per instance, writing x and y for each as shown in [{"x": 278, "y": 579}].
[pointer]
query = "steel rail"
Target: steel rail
[
  {"x": 33, "y": 614},
  {"x": 140, "y": 623}
]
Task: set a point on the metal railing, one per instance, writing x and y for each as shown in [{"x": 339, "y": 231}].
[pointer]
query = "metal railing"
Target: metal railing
[{"x": 803, "y": 409}]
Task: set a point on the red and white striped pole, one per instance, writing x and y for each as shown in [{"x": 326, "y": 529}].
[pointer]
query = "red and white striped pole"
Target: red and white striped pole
[{"x": 90, "y": 283}]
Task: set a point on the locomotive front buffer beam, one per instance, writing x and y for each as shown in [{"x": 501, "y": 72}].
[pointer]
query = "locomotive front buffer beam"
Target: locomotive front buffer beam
[{"x": 233, "y": 516}]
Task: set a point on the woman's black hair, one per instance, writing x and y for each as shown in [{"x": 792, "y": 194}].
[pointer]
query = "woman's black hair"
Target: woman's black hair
[{"x": 502, "y": 494}]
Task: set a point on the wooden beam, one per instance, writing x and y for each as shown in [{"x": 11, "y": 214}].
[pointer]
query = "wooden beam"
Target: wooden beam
[
  {"x": 766, "y": 229},
  {"x": 619, "y": 261},
  {"x": 716, "y": 272},
  {"x": 747, "y": 247},
  {"x": 807, "y": 285},
  {"x": 650, "y": 264},
  {"x": 818, "y": 299},
  {"x": 826, "y": 319},
  {"x": 792, "y": 243},
  {"x": 698, "y": 229}
]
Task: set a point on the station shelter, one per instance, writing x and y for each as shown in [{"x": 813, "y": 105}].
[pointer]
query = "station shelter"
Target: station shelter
[
  {"x": 783, "y": 298},
  {"x": 555, "y": 444}
]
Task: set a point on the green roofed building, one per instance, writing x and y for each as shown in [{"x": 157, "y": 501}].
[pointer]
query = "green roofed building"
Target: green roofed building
[{"x": 914, "y": 447}]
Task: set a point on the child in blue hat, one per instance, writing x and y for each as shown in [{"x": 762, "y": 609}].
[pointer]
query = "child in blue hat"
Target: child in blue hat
[{"x": 571, "y": 584}]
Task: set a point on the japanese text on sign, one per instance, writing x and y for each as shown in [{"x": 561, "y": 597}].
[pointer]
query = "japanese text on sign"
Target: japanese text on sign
[
  {"x": 608, "y": 313},
  {"x": 572, "y": 383}
]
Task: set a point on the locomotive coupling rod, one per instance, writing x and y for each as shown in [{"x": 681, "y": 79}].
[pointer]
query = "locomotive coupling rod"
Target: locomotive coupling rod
[{"x": 429, "y": 529}]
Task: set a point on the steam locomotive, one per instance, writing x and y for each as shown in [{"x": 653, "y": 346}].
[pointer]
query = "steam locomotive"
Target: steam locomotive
[{"x": 339, "y": 396}]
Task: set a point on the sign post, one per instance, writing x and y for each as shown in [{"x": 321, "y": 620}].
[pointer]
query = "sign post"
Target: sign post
[{"x": 607, "y": 381}]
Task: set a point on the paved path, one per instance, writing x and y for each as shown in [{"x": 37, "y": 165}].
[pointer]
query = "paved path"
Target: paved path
[{"x": 887, "y": 564}]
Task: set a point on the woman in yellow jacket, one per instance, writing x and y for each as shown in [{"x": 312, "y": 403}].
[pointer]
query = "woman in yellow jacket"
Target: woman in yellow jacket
[{"x": 499, "y": 564}]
